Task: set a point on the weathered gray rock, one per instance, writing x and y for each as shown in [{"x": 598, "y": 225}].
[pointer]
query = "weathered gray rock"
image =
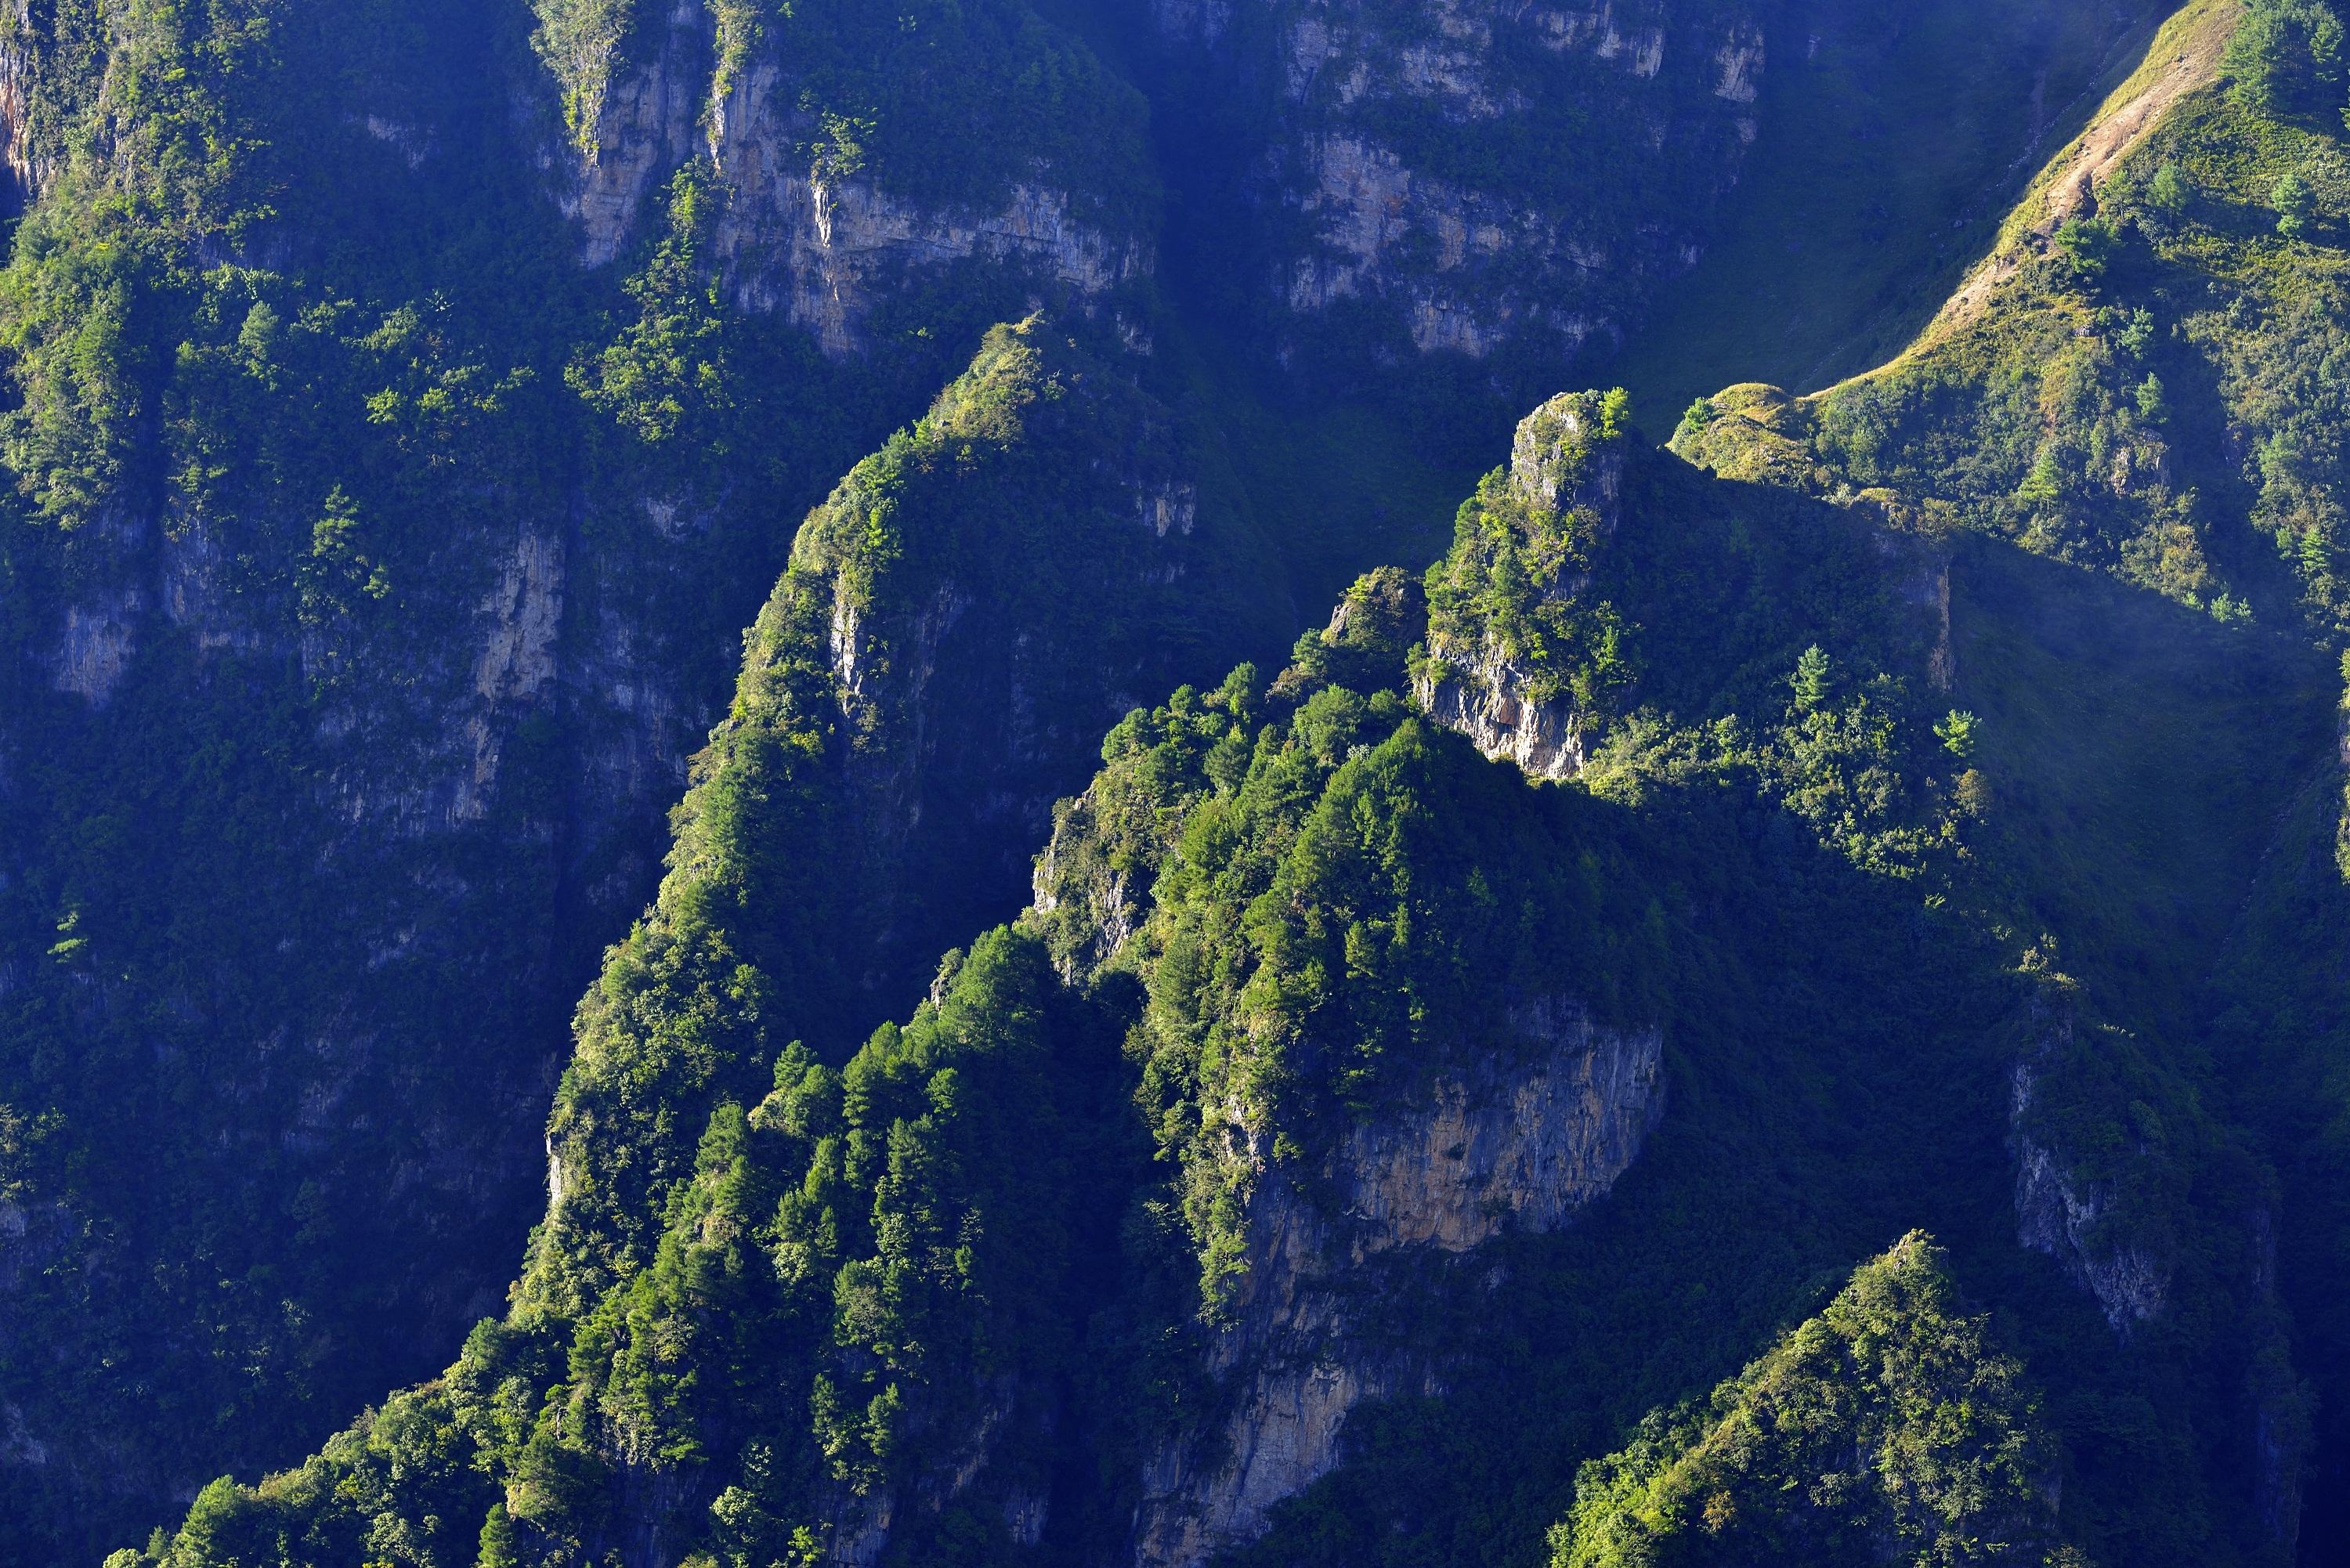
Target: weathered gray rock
[
  {"x": 1468, "y": 265},
  {"x": 825, "y": 252},
  {"x": 1515, "y": 1140},
  {"x": 1557, "y": 463},
  {"x": 2057, "y": 1214},
  {"x": 822, "y": 250}
]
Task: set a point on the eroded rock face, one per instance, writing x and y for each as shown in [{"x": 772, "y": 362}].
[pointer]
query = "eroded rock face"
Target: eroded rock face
[
  {"x": 644, "y": 130},
  {"x": 17, "y": 187},
  {"x": 101, "y": 636},
  {"x": 822, "y": 250},
  {"x": 1557, "y": 463},
  {"x": 1366, "y": 205},
  {"x": 1510, "y": 1143},
  {"x": 1373, "y": 104},
  {"x": 1501, "y": 1148},
  {"x": 1486, "y": 701},
  {"x": 825, "y": 252},
  {"x": 2058, "y": 1215}
]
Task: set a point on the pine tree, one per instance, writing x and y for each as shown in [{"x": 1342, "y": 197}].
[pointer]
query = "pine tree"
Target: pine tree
[
  {"x": 1960, "y": 734},
  {"x": 1811, "y": 680},
  {"x": 499, "y": 1549}
]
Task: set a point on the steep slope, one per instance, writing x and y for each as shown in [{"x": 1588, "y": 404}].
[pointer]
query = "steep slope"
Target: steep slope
[
  {"x": 937, "y": 579},
  {"x": 408, "y": 408},
  {"x": 1885, "y": 1429},
  {"x": 372, "y": 570},
  {"x": 1460, "y": 178},
  {"x": 478, "y": 545},
  {"x": 1485, "y": 1114},
  {"x": 2133, "y": 381},
  {"x": 1891, "y": 142},
  {"x": 868, "y": 154},
  {"x": 2055, "y": 1131}
]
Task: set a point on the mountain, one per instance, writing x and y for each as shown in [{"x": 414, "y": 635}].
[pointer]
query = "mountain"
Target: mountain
[
  {"x": 1179, "y": 1219},
  {"x": 1329, "y": 1117}
]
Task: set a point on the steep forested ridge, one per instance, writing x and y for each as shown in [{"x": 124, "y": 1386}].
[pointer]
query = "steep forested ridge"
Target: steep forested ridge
[
  {"x": 372, "y": 569},
  {"x": 1452, "y": 1087}
]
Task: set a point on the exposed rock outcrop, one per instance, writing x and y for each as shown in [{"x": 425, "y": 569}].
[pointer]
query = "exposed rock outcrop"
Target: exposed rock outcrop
[
  {"x": 1366, "y": 147},
  {"x": 1558, "y": 462},
  {"x": 1512, "y": 1142},
  {"x": 824, "y": 252},
  {"x": 101, "y": 636},
  {"x": 1485, "y": 701},
  {"x": 17, "y": 187},
  {"x": 643, "y": 131},
  {"x": 821, "y": 248},
  {"x": 2058, "y": 1214}
]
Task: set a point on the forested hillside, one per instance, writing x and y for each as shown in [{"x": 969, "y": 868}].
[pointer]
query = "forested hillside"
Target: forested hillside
[{"x": 675, "y": 887}]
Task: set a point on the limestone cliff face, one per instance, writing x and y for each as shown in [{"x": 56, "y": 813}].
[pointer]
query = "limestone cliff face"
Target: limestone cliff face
[
  {"x": 1485, "y": 699},
  {"x": 1557, "y": 463},
  {"x": 19, "y": 187},
  {"x": 860, "y": 1528},
  {"x": 1512, "y": 1141},
  {"x": 2057, "y": 1214},
  {"x": 643, "y": 131},
  {"x": 399, "y": 785},
  {"x": 1368, "y": 152},
  {"x": 823, "y": 249},
  {"x": 32, "y": 100}
]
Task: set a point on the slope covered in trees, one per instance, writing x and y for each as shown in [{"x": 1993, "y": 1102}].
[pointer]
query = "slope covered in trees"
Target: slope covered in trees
[
  {"x": 1887, "y": 1429},
  {"x": 372, "y": 569},
  {"x": 2138, "y": 382},
  {"x": 941, "y": 1302},
  {"x": 1943, "y": 831}
]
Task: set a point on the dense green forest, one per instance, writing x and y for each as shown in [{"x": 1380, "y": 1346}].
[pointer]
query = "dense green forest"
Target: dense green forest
[{"x": 675, "y": 888}]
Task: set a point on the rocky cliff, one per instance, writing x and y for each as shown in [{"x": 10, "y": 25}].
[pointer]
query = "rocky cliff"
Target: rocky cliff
[
  {"x": 399, "y": 680},
  {"x": 812, "y": 231},
  {"x": 44, "y": 54},
  {"x": 2059, "y": 1211},
  {"x": 2054, "y": 1215},
  {"x": 968, "y": 697},
  {"x": 1517, "y": 1141},
  {"x": 1473, "y": 174},
  {"x": 1482, "y": 676}
]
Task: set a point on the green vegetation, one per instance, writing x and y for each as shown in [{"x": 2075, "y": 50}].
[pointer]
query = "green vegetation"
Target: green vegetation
[
  {"x": 753, "y": 1330},
  {"x": 1885, "y": 1429},
  {"x": 1953, "y": 790},
  {"x": 307, "y": 389},
  {"x": 987, "y": 511},
  {"x": 816, "y": 1300},
  {"x": 2287, "y": 57},
  {"x": 1888, "y": 146},
  {"x": 582, "y": 42},
  {"x": 867, "y": 1264}
]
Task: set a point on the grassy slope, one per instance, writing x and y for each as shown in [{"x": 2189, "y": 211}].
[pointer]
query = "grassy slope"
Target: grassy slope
[
  {"x": 2182, "y": 56},
  {"x": 2142, "y": 755},
  {"x": 1882, "y": 165},
  {"x": 2165, "y": 785}
]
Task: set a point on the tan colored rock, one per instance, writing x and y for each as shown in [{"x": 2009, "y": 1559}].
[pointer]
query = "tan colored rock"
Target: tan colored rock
[
  {"x": 1509, "y": 1143},
  {"x": 97, "y": 644}
]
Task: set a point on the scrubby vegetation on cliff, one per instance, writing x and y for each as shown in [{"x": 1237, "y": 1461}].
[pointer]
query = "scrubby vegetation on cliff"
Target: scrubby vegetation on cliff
[{"x": 1886, "y": 1430}]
